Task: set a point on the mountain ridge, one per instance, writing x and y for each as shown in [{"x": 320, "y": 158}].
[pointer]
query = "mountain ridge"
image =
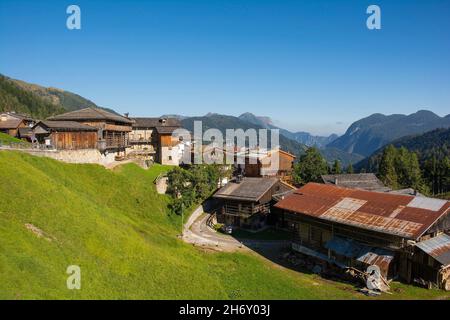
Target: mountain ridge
[{"x": 377, "y": 130}]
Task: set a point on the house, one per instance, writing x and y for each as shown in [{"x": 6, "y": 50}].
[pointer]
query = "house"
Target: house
[
  {"x": 246, "y": 202},
  {"x": 403, "y": 235},
  {"x": 112, "y": 129},
  {"x": 11, "y": 123},
  {"x": 156, "y": 138},
  {"x": 266, "y": 163},
  {"x": 364, "y": 181},
  {"x": 66, "y": 135}
]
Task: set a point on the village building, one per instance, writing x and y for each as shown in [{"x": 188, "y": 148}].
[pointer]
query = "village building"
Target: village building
[
  {"x": 112, "y": 129},
  {"x": 246, "y": 202},
  {"x": 155, "y": 139},
  {"x": 65, "y": 135},
  {"x": 403, "y": 235},
  {"x": 363, "y": 181},
  {"x": 13, "y": 124},
  {"x": 264, "y": 163}
]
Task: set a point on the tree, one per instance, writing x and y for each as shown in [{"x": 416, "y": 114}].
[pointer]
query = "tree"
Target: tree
[
  {"x": 336, "y": 167},
  {"x": 310, "y": 167},
  {"x": 387, "y": 170},
  {"x": 350, "y": 168}
]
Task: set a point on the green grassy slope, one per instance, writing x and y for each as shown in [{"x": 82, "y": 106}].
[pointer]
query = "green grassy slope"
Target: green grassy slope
[
  {"x": 117, "y": 229},
  {"x": 6, "y": 138}
]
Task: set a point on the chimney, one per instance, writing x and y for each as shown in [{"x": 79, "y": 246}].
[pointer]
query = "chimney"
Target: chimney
[
  {"x": 126, "y": 114},
  {"x": 336, "y": 181}
]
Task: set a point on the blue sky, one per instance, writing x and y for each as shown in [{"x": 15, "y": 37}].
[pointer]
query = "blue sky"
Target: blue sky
[{"x": 310, "y": 65}]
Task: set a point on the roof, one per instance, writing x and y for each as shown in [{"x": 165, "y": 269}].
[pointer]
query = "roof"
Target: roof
[
  {"x": 365, "y": 181},
  {"x": 91, "y": 114},
  {"x": 166, "y": 130},
  {"x": 18, "y": 115},
  {"x": 11, "y": 124},
  {"x": 437, "y": 247},
  {"x": 25, "y": 131},
  {"x": 368, "y": 255},
  {"x": 65, "y": 126},
  {"x": 155, "y": 122},
  {"x": 401, "y": 215},
  {"x": 249, "y": 189}
]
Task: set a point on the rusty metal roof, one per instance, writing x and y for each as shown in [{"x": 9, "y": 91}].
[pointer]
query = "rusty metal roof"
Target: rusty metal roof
[
  {"x": 365, "y": 254},
  {"x": 437, "y": 247},
  {"x": 400, "y": 215}
]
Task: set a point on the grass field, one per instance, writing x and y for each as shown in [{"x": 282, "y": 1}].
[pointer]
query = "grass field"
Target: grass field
[
  {"x": 117, "y": 229},
  {"x": 6, "y": 138}
]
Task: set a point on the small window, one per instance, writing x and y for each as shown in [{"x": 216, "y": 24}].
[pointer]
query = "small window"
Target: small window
[{"x": 170, "y": 158}]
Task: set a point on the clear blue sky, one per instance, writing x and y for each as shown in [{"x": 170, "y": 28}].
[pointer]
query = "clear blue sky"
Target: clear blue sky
[{"x": 311, "y": 65}]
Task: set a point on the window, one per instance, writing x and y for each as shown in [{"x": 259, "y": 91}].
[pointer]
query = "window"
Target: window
[{"x": 170, "y": 158}]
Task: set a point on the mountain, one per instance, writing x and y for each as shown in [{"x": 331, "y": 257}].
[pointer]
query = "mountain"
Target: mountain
[
  {"x": 223, "y": 122},
  {"x": 369, "y": 134},
  {"x": 39, "y": 101},
  {"x": 15, "y": 98},
  {"x": 426, "y": 145},
  {"x": 301, "y": 137}
]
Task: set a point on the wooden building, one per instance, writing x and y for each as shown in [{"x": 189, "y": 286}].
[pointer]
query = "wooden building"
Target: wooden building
[
  {"x": 65, "y": 135},
  {"x": 246, "y": 202},
  {"x": 403, "y": 235},
  {"x": 272, "y": 163},
  {"x": 155, "y": 137},
  {"x": 112, "y": 129},
  {"x": 11, "y": 123}
]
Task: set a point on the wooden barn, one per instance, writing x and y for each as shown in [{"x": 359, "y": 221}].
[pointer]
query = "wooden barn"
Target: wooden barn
[
  {"x": 403, "y": 235},
  {"x": 65, "y": 135},
  {"x": 113, "y": 129},
  {"x": 246, "y": 202}
]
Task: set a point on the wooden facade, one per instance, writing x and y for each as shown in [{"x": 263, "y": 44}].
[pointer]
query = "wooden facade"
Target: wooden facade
[
  {"x": 65, "y": 135},
  {"x": 112, "y": 129},
  {"x": 403, "y": 235},
  {"x": 247, "y": 202}
]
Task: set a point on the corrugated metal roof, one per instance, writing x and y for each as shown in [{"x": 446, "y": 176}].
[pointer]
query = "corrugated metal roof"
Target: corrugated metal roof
[
  {"x": 377, "y": 211},
  {"x": 365, "y": 254},
  {"x": 437, "y": 247}
]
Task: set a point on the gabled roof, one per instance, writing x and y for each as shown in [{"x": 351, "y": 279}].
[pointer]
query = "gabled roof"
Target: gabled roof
[
  {"x": 156, "y": 122},
  {"x": 365, "y": 181},
  {"x": 248, "y": 189},
  {"x": 401, "y": 215},
  {"x": 64, "y": 126},
  {"x": 91, "y": 114},
  {"x": 437, "y": 247},
  {"x": 11, "y": 123}
]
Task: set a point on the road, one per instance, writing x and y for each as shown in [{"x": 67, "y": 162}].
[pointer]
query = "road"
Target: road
[{"x": 197, "y": 232}]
